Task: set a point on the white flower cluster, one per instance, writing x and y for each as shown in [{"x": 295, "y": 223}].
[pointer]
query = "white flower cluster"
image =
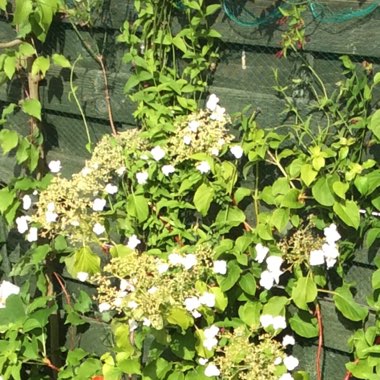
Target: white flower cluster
[
  {"x": 217, "y": 112},
  {"x": 329, "y": 252},
  {"x": 194, "y": 303},
  {"x": 210, "y": 342},
  {"x": 6, "y": 289},
  {"x": 273, "y": 272},
  {"x": 278, "y": 322},
  {"x": 22, "y": 223}
]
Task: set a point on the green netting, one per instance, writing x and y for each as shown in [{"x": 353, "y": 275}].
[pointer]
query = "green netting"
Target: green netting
[{"x": 239, "y": 12}]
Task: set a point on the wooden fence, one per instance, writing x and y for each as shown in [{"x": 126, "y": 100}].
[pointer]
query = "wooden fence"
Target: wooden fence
[{"x": 236, "y": 87}]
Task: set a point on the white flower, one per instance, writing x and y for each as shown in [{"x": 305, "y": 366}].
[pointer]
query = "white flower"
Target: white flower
[
  {"x": 132, "y": 304},
  {"x": 212, "y": 370},
  {"x": 266, "y": 320},
  {"x": 85, "y": 171},
  {"x": 207, "y": 299},
  {"x": 144, "y": 157},
  {"x": 193, "y": 125},
  {"x": 189, "y": 261},
  {"x": 118, "y": 302},
  {"x": 168, "y": 169},
  {"x": 218, "y": 114},
  {"x": 133, "y": 242},
  {"x": 277, "y": 361},
  {"x": 261, "y": 252},
  {"x": 279, "y": 322},
  {"x": 187, "y": 140},
  {"x": 330, "y": 262},
  {"x": 26, "y": 202},
  {"x": 221, "y": 142},
  {"x": 32, "y": 234},
  {"x": 236, "y": 151},
  {"x": 286, "y": 376},
  {"x": 146, "y": 322},
  {"x": 98, "y": 204},
  {"x": 50, "y": 216},
  {"x": 162, "y": 267},
  {"x": 157, "y": 153},
  {"x": 22, "y": 223},
  {"x": 288, "y": 340},
  {"x": 104, "y": 306},
  {"x": 98, "y": 229},
  {"x": 142, "y": 178},
  {"x": 126, "y": 285},
  {"x": 175, "y": 259},
  {"x": 220, "y": 267},
  {"x": 152, "y": 290},
  {"x": 51, "y": 206},
  {"x": 7, "y": 289},
  {"x": 120, "y": 171},
  {"x": 204, "y": 167},
  {"x": 133, "y": 325},
  {"x": 331, "y": 234},
  {"x": 266, "y": 279},
  {"x": 74, "y": 223},
  {"x": 291, "y": 362},
  {"x": 212, "y": 102},
  {"x": 202, "y": 361},
  {"x": 82, "y": 276},
  {"x": 196, "y": 314},
  {"x": 192, "y": 303},
  {"x": 316, "y": 257},
  {"x": 274, "y": 263},
  {"x": 215, "y": 151},
  {"x": 111, "y": 189},
  {"x": 211, "y": 332},
  {"x": 210, "y": 343},
  {"x": 55, "y": 166},
  {"x": 330, "y": 251}
]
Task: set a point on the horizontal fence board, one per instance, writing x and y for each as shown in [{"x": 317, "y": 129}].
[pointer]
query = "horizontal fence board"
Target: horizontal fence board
[
  {"x": 349, "y": 37},
  {"x": 55, "y": 89}
]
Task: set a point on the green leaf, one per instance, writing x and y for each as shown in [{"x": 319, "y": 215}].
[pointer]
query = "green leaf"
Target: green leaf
[
  {"x": 376, "y": 79},
  {"x": 32, "y": 107},
  {"x": 370, "y": 237},
  {"x": 304, "y": 324},
  {"x": 249, "y": 313},
  {"x": 280, "y": 218},
  {"x": 374, "y": 124},
  {"x": 241, "y": 193},
  {"x": 203, "y": 198},
  {"x": 349, "y": 212},
  {"x": 40, "y": 65},
  {"x": 10, "y": 66},
  {"x": 340, "y": 189},
  {"x": 6, "y": 199},
  {"x": 137, "y": 206},
  {"x": 322, "y": 193},
  {"x": 61, "y": 60},
  {"x": 180, "y": 317},
  {"x": 23, "y": 9},
  {"x": 127, "y": 365},
  {"x": 308, "y": 174},
  {"x": 221, "y": 301},
  {"x": 26, "y": 50},
  {"x": 304, "y": 291},
  {"x": 179, "y": 42},
  {"x": 345, "y": 303},
  {"x": 183, "y": 345},
  {"x": 376, "y": 279},
  {"x": 211, "y": 9},
  {"x": 248, "y": 283},
  {"x": 232, "y": 277},
  {"x": 3, "y": 4},
  {"x": 8, "y": 140},
  {"x": 83, "y": 260}
]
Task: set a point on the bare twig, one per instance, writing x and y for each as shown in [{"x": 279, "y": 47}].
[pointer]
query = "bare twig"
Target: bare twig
[
  {"x": 320, "y": 341},
  {"x": 10, "y": 44}
]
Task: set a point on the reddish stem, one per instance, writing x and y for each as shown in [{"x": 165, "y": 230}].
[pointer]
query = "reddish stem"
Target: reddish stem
[
  {"x": 320, "y": 341},
  {"x": 62, "y": 285}
]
